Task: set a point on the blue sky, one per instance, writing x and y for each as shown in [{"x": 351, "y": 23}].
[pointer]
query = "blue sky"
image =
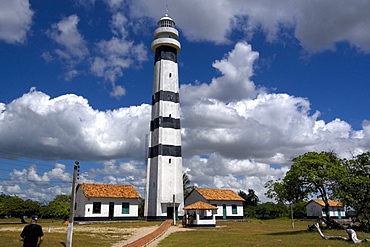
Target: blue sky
[{"x": 260, "y": 83}]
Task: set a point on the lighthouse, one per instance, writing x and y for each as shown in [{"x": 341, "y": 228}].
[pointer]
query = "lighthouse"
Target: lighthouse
[{"x": 164, "y": 188}]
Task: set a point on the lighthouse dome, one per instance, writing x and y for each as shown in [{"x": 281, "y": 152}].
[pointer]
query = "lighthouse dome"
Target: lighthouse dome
[{"x": 166, "y": 21}]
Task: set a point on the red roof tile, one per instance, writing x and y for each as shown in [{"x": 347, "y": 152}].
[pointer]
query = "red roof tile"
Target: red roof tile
[
  {"x": 332, "y": 203},
  {"x": 219, "y": 194},
  {"x": 200, "y": 205},
  {"x": 109, "y": 190}
]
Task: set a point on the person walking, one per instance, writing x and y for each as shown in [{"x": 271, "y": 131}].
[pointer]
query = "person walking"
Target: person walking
[{"x": 32, "y": 234}]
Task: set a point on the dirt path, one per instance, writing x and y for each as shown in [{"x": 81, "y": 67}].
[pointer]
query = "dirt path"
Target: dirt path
[{"x": 142, "y": 231}]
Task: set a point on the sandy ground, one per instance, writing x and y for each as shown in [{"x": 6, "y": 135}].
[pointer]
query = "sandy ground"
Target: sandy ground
[{"x": 142, "y": 231}]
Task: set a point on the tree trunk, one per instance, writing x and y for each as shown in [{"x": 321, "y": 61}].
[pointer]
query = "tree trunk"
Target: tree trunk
[{"x": 352, "y": 236}]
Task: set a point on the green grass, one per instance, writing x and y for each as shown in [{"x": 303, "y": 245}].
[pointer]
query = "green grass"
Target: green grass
[
  {"x": 255, "y": 233},
  {"x": 258, "y": 233}
]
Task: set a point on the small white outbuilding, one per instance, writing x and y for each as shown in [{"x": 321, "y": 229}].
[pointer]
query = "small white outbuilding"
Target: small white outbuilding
[
  {"x": 100, "y": 202},
  {"x": 228, "y": 203},
  {"x": 316, "y": 208},
  {"x": 199, "y": 214}
]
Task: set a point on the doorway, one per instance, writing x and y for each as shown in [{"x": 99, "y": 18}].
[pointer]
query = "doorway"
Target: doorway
[
  {"x": 170, "y": 213},
  {"x": 111, "y": 211}
]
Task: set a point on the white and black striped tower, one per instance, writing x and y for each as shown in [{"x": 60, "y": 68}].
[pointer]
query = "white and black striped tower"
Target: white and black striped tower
[{"x": 164, "y": 189}]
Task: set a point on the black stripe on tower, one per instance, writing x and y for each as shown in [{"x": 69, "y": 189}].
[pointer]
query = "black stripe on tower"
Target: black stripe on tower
[
  {"x": 165, "y": 53},
  {"x": 164, "y": 150},
  {"x": 165, "y": 96},
  {"x": 165, "y": 122}
]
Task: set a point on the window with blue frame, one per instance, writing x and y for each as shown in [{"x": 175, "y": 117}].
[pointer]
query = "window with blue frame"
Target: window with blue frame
[
  {"x": 234, "y": 209},
  {"x": 125, "y": 208}
]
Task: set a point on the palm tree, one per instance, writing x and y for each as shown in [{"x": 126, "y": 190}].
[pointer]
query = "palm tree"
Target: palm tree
[{"x": 186, "y": 184}]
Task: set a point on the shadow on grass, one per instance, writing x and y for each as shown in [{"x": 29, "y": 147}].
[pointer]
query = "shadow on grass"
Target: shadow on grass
[{"x": 287, "y": 233}]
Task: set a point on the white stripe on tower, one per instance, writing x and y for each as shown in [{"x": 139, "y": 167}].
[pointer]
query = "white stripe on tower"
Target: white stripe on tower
[{"x": 164, "y": 171}]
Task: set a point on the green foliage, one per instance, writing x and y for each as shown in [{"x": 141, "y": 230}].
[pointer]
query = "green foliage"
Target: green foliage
[
  {"x": 354, "y": 188},
  {"x": 299, "y": 210},
  {"x": 3, "y": 199},
  {"x": 311, "y": 173},
  {"x": 251, "y": 199},
  {"x": 270, "y": 210},
  {"x": 327, "y": 176},
  {"x": 186, "y": 184},
  {"x": 16, "y": 207},
  {"x": 58, "y": 208},
  {"x": 141, "y": 208},
  {"x": 315, "y": 173}
]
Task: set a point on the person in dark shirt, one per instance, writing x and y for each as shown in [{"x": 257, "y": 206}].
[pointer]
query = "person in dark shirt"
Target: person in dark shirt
[{"x": 32, "y": 234}]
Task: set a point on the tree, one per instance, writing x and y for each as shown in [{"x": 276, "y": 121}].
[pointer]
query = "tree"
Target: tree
[
  {"x": 3, "y": 199},
  {"x": 354, "y": 189},
  {"x": 270, "y": 210},
  {"x": 141, "y": 207},
  {"x": 58, "y": 208},
  {"x": 251, "y": 199},
  {"x": 285, "y": 191},
  {"x": 299, "y": 210},
  {"x": 16, "y": 207},
  {"x": 186, "y": 184},
  {"x": 316, "y": 173},
  {"x": 243, "y": 195},
  {"x": 311, "y": 174}
]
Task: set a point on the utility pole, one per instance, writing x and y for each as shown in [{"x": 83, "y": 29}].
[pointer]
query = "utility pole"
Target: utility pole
[{"x": 72, "y": 206}]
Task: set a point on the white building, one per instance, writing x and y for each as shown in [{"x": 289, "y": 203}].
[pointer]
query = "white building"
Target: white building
[
  {"x": 164, "y": 192},
  {"x": 97, "y": 202},
  {"x": 229, "y": 204},
  {"x": 316, "y": 208},
  {"x": 199, "y": 214}
]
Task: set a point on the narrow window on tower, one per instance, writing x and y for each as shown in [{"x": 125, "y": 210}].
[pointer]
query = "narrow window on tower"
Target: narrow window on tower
[
  {"x": 169, "y": 115},
  {"x": 169, "y": 161},
  {"x": 170, "y": 74}
]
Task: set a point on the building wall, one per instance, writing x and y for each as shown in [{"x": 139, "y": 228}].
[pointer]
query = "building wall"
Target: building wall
[
  {"x": 80, "y": 202},
  {"x": 195, "y": 197},
  {"x": 164, "y": 172},
  {"x": 315, "y": 210},
  {"x": 84, "y": 208},
  {"x": 229, "y": 211}
]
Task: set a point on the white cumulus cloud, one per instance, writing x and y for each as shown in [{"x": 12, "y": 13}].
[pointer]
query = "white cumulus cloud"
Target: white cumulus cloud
[
  {"x": 318, "y": 25},
  {"x": 67, "y": 127},
  {"x": 231, "y": 141},
  {"x": 15, "y": 20}
]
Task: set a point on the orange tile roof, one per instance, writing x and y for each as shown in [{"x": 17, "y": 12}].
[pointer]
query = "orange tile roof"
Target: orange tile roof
[
  {"x": 200, "y": 205},
  {"x": 218, "y": 194},
  {"x": 332, "y": 203},
  {"x": 109, "y": 190}
]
